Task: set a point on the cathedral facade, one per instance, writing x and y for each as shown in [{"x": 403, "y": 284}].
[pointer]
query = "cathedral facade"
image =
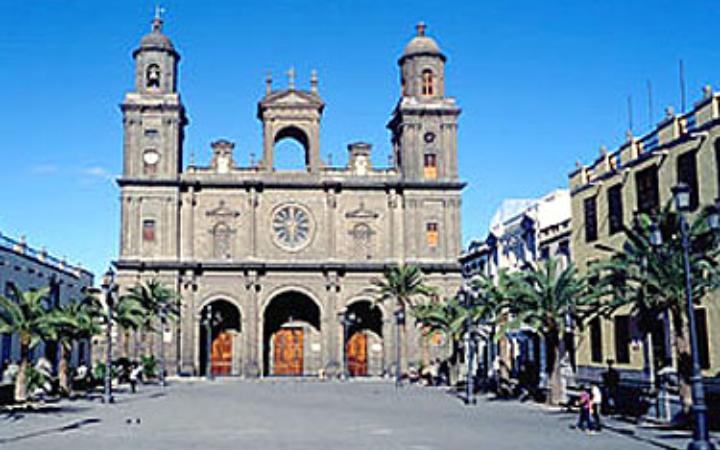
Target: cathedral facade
[{"x": 272, "y": 264}]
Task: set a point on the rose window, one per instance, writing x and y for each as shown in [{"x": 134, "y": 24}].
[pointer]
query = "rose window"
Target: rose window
[{"x": 292, "y": 227}]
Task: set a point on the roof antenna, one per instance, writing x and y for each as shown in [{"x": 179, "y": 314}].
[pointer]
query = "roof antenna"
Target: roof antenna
[{"x": 630, "y": 113}]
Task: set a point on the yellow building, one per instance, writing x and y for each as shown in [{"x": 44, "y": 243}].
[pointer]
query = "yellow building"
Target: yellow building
[{"x": 637, "y": 177}]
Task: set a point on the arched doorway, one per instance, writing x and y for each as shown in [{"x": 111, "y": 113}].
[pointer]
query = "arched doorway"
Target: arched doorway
[
  {"x": 291, "y": 336},
  {"x": 363, "y": 339},
  {"x": 290, "y": 149},
  {"x": 225, "y": 345}
]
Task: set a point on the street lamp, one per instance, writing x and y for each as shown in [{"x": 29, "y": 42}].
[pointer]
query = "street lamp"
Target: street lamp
[
  {"x": 399, "y": 322},
  {"x": 207, "y": 321},
  {"x": 109, "y": 287},
  {"x": 701, "y": 439},
  {"x": 347, "y": 319},
  {"x": 163, "y": 324},
  {"x": 466, "y": 300}
]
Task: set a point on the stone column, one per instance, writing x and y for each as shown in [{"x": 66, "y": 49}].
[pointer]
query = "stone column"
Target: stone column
[
  {"x": 331, "y": 355},
  {"x": 388, "y": 331},
  {"x": 189, "y": 320},
  {"x": 251, "y": 359},
  {"x": 253, "y": 203},
  {"x": 268, "y": 137},
  {"x": 331, "y": 201}
]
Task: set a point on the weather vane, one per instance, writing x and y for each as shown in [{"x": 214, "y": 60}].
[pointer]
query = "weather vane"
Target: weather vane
[{"x": 159, "y": 11}]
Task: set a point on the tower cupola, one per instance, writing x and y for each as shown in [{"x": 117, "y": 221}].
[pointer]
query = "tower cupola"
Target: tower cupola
[
  {"x": 422, "y": 67},
  {"x": 156, "y": 61}
]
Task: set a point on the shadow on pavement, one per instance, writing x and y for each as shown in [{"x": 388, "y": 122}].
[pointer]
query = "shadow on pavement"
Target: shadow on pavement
[
  {"x": 62, "y": 429},
  {"x": 20, "y": 413}
]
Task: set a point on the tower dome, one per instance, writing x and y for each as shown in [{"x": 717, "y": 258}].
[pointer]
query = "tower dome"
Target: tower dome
[
  {"x": 156, "y": 39},
  {"x": 422, "y": 44}
]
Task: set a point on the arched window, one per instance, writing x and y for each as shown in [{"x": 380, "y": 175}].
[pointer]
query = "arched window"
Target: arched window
[
  {"x": 152, "y": 77},
  {"x": 291, "y": 150},
  {"x": 430, "y": 166},
  {"x": 428, "y": 83}
]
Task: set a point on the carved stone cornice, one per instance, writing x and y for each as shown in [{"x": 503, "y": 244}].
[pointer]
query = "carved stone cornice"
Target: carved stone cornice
[
  {"x": 361, "y": 212},
  {"x": 222, "y": 211}
]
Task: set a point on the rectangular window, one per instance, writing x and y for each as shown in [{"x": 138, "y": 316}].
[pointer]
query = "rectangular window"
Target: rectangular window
[
  {"x": 615, "y": 206},
  {"x": 151, "y": 132},
  {"x": 622, "y": 339},
  {"x": 596, "y": 351},
  {"x": 431, "y": 233},
  {"x": 687, "y": 173},
  {"x": 646, "y": 185},
  {"x": 430, "y": 166},
  {"x": 148, "y": 230},
  {"x": 590, "y": 219},
  {"x": 702, "y": 336}
]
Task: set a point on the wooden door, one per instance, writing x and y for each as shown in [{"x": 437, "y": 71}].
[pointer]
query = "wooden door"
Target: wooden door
[
  {"x": 221, "y": 355},
  {"x": 288, "y": 352},
  {"x": 357, "y": 354}
]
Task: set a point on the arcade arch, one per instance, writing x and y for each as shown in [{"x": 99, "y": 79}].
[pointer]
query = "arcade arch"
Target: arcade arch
[
  {"x": 225, "y": 338},
  {"x": 291, "y": 338}
]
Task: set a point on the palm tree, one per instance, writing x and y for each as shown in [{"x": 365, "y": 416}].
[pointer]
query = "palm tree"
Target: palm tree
[
  {"x": 29, "y": 318},
  {"x": 491, "y": 295},
  {"x": 404, "y": 286},
  {"x": 650, "y": 279},
  {"x": 74, "y": 321},
  {"x": 439, "y": 316},
  {"x": 551, "y": 301},
  {"x": 159, "y": 302}
]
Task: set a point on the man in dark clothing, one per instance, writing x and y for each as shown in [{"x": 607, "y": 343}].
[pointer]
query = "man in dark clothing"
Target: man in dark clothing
[{"x": 611, "y": 381}]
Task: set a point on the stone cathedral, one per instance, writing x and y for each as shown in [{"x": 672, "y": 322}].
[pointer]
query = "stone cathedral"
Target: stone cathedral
[{"x": 268, "y": 261}]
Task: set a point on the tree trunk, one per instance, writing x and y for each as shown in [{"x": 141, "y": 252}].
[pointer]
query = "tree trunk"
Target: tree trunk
[
  {"x": 503, "y": 373},
  {"x": 21, "y": 379},
  {"x": 425, "y": 336},
  {"x": 554, "y": 353},
  {"x": 64, "y": 370},
  {"x": 150, "y": 348},
  {"x": 684, "y": 359}
]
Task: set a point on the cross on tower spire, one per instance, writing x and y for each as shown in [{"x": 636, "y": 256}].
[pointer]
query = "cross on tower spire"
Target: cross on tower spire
[
  {"x": 420, "y": 27},
  {"x": 157, "y": 20}
]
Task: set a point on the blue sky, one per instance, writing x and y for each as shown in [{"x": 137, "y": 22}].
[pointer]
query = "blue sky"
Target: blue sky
[{"x": 541, "y": 84}]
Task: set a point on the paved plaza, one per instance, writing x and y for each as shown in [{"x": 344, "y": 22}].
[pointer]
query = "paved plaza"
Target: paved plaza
[{"x": 288, "y": 414}]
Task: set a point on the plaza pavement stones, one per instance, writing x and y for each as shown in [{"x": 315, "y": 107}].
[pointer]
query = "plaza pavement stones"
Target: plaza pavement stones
[
  {"x": 297, "y": 415},
  {"x": 656, "y": 434}
]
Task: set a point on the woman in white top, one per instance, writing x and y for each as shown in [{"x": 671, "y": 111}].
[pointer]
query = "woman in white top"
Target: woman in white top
[{"x": 596, "y": 400}]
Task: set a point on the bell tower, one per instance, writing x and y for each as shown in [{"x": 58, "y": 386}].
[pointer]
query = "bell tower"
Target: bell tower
[
  {"x": 292, "y": 113},
  {"x": 424, "y": 122},
  {"x": 153, "y": 115},
  {"x": 153, "y": 122}
]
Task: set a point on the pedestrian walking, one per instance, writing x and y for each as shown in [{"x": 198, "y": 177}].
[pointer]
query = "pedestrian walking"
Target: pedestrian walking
[
  {"x": 611, "y": 381},
  {"x": 596, "y": 405},
  {"x": 134, "y": 376},
  {"x": 585, "y": 404}
]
